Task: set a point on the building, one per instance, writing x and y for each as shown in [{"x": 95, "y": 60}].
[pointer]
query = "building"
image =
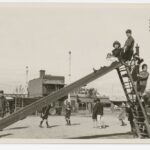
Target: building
[
  {"x": 118, "y": 100},
  {"x": 82, "y": 99},
  {"x": 45, "y": 85}
]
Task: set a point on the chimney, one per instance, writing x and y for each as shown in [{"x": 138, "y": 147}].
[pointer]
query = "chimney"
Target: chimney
[{"x": 42, "y": 73}]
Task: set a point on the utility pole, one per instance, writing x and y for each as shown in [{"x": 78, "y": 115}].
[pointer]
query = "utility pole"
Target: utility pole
[{"x": 69, "y": 99}]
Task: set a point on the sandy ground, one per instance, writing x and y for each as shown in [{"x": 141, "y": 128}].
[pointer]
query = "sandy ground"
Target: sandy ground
[{"x": 81, "y": 128}]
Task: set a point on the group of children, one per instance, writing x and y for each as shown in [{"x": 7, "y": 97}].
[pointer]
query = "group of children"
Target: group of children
[
  {"x": 97, "y": 114},
  {"x": 45, "y": 113},
  {"x": 125, "y": 53},
  {"x": 139, "y": 72},
  {"x": 125, "y": 56}
]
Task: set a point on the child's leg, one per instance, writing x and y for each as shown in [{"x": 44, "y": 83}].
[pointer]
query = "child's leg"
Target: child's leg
[
  {"x": 69, "y": 121},
  {"x": 41, "y": 122},
  {"x": 94, "y": 123},
  {"x": 66, "y": 117},
  {"x": 102, "y": 122},
  {"x": 47, "y": 123},
  {"x": 121, "y": 122},
  {"x": 98, "y": 120}
]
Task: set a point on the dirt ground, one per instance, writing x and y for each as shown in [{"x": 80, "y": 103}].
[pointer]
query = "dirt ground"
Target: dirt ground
[{"x": 81, "y": 128}]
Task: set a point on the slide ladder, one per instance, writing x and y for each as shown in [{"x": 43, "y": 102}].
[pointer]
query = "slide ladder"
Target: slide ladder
[{"x": 140, "y": 119}]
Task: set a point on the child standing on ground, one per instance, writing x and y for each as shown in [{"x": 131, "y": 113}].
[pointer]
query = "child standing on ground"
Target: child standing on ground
[
  {"x": 122, "y": 115},
  {"x": 99, "y": 112},
  {"x": 44, "y": 115},
  {"x": 94, "y": 115},
  {"x": 68, "y": 113}
]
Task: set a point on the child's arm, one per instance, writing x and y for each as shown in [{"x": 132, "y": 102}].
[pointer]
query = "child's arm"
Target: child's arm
[{"x": 143, "y": 75}]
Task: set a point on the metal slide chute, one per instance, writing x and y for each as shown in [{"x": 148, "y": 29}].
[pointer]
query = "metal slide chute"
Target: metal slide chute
[{"x": 28, "y": 110}]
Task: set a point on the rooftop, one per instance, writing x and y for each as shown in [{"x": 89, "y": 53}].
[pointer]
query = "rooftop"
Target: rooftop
[{"x": 50, "y": 79}]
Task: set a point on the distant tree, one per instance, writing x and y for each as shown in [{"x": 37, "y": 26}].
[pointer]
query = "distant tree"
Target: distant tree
[{"x": 92, "y": 92}]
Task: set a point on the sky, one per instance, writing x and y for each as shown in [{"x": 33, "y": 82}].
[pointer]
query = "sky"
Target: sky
[{"x": 41, "y": 35}]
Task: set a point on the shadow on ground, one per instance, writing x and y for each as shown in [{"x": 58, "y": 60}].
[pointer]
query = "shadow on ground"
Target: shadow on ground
[
  {"x": 104, "y": 136},
  {"x": 53, "y": 126},
  {"x": 1, "y": 136},
  {"x": 17, "y": 128},
  {"x": 75, "y": 124}
]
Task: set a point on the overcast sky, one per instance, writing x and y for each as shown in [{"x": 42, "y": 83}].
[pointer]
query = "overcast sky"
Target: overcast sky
[{"x": 40, "y": 36}]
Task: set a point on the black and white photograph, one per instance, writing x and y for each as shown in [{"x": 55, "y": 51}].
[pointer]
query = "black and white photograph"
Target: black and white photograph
[{"x": 74, "y": 72}]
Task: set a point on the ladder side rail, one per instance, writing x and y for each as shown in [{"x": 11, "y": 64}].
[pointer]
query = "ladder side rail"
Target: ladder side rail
[
  {"x": 122, "y": 83},
  {"x": 140, "y": 104},
  {"x": 128, "y": 98},
  {"x": 137, "y": 95}
]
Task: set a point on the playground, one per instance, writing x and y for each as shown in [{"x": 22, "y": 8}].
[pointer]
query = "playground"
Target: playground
[
  {"x": 81, "y": 128},
  {"x": 95, "y": 55},
  {"x": 19, "y": 125}
]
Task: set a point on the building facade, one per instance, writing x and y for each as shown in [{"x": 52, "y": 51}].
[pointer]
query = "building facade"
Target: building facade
[{"x": 45, "y": 85}]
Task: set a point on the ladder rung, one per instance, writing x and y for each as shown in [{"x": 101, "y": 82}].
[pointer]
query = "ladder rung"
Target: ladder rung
[
  {"x": 128, "y": 87},
  {"x": 127, "y": 82},
  {"x": 138, "y": 111},
  {"x": 121, "y": 70},
  {"x": 132, "y": 99},
  {"x": 122, "y": 67},
  {"x": 139, "y": 117},
  {"x": 140, "y": 122},
  {"x": 132, "y": 93},
  {"x": 125, "y": 75},
  {"x": 141, "y": 128}
]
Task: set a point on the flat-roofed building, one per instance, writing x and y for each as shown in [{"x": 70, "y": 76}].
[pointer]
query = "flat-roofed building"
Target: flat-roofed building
[{"x": 45, "y": 85}]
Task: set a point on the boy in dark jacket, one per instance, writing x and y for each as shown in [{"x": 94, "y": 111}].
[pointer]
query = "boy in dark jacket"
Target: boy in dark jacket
[
  {"x": 44, "y": 115},
  {"x": 68, "y": 113},
  {"x": 128, "y": 46},
  {"x": 99, "y": 112},
  {"x": 94, "y": 115}
]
